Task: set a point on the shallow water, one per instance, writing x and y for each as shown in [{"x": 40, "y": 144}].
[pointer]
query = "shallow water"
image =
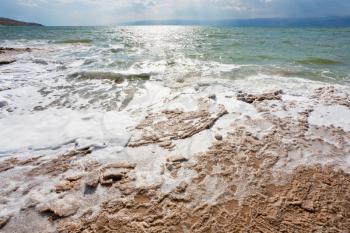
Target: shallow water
[
  {"x": 75, "y": 76},
  {"x": 172, "y": 51}
]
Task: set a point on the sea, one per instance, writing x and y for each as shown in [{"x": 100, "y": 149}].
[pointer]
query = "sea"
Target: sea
[{"x": 92, "y": 85}]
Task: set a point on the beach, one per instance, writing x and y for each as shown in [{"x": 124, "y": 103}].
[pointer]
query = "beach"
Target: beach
[{"x": 174, "y": 129}]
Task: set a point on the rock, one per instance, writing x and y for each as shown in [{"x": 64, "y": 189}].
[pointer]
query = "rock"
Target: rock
[
  {"x": 162, "y": 169},
  {"x": 213, "y": 97},
  {"x": 41, "y": 62},
  {"x": 39, "y": 108},
  {"x": 4, "y": 220},
  {"x": 169, "y": 166},
  {"x": 180, "y": 80},
  {"x": 8, "y": 164},
  {"x": 163, "y": 127},
  {"x": 63, "y": 186},
  {"x": 5, "y": 88},
  {"x": 60, "y": 164},
  {"x": 218, "y": 137},
  {"x": 250, "y": 98},
  {"x": 3, "y": 103},
  {"x": 13, "y": 162},
  {"x": 174, "y": 163},
  {"x": 111, "y": 176},
  {"x": 7, "y": 61},
  {"x": 66, "y": 185},
  {"x": 308, "y": 206},
  {"x": 119, "y": 165},
  {"x": 7, "y": 55},
  {"x": 60, "y": 208},
  {"x": 166, "y": 144},
  {"x": 181, "y": 187},
  {"x": 74, "y": 177},
  {"x": 329, "y": 95},
  {"x": 92, "y": 180},
  {"x": 177, "y": 159}
]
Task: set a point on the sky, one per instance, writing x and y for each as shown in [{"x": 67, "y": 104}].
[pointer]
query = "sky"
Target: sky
[{"x": 112, "y": 12}]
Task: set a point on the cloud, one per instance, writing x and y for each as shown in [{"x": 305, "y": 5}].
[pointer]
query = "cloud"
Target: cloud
[
  {"x": 30, "y": 3},
  {"x": 95, "y": 12}
]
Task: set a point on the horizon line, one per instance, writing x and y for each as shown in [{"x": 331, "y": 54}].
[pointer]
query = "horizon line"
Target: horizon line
[{"x": 275, "y": 21}]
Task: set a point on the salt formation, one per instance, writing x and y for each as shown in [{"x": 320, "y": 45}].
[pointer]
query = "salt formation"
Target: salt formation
[
  {"x": 272, "y": 168},
  {"x": 170, "y": 125}
]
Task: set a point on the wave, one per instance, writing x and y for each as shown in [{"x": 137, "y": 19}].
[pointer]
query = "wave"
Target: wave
[
  {"x": 116, "y": 77},
  {"x": 318, "y": 61},
  {"x": 74, "y": 41}
]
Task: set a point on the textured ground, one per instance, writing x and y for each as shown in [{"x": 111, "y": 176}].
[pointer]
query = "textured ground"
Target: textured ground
[{"x": 280, "y": 169}]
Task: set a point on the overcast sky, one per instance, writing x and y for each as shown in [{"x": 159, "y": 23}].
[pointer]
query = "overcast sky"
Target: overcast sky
[{"x": 109, "y": 12}]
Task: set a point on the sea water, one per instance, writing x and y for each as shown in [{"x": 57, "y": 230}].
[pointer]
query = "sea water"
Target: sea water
[{"x": 86, "y": 86}]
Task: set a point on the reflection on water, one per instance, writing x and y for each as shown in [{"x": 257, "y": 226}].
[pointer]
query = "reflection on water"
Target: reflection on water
[
  {"x": 101, "y": 67},
  {"x": 168, "y": 52}
]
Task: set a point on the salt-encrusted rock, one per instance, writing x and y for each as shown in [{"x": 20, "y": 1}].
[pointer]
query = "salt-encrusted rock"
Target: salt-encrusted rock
[
  {"x": 92, "y": 179},
  {"x": 177, "y": 159},
  {"x": 251, "y": 98},
  {"x": 119, "y": 165},
  {"x": 59, "y": 165},
  {"x": 218, "y": 137},
  {"x": 308, "y": 205},
  {"x": 60, "y": 207},
  {"x": 6, "y": 61},
  {"x": 74, "y": 177},
  {"x": 164, "y": 127},
  {"x": 181, "y": 187},
  {"x": 5, "y": 88},
  {"x": 13, "y": 162},
  {"x": 180, "y": 80},
  {"x": 111, "y": 175},
  {"x": 166, "y": 144},
  {"x": 63, "y": 186},
  {"x": 68, "y": 184},
  {"x": 213, "y": 97},
  {"x": 174, "y": 163},
  {"x": 8, "y": 164},
  {"x": 329, "y": 95},
  {"x": 3, "y": 103},
  {"x": 115, "y": 172},
  {"x": 7, "y": 55},
  {"x": 4, "y": 220},
  {"x": 39, "y": 108}
]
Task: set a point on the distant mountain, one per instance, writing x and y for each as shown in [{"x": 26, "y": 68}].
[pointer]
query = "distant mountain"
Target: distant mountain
[
  {"x": 263, "y": 22},
  {"x": 12, "y": 22}
]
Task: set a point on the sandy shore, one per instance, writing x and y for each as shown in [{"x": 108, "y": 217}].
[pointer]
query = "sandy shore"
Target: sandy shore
[{"x": 230, "y": 162}]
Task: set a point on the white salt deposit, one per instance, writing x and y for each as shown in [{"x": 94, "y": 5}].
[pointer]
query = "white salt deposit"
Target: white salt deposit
[{"x": 337, "y": 116}]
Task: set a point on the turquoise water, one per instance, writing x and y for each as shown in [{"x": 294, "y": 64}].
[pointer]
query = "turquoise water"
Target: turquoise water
[
  {"x": 186, "y": 51},
  {"x": 92, "y": 85}
]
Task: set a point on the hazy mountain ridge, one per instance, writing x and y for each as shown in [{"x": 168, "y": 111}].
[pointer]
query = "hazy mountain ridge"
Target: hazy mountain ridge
[
  {"x": 269, "y": 22},
  {"x": 12, "y": 22}
]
